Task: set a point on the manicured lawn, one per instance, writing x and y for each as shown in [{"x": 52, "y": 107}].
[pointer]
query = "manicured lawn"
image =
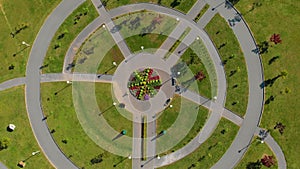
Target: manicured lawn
[
  {"x": 235, "y": 67},
  {"x": 282, "y": 20},
  {"x": 150, "y": 42},
  {"x": 98, "y": 53},
  {"x": 169, "y": 116},
  {"x": 145, "y": 28},
  {"x": 201, "y": 13},
  {"x": 195, "y": 65},
  {"x": 66, "y": 34},
  {"x": 113, "y": 55},
  {"x": 22, "y": 140},
  {"x": 255, "y": 152},
  {"x": 63, "y": 118},
  {"x": 211, "y": 150},
  {"x": 113, "y": 117},
  {"x": 12, "y": 15},
  {"x": 177, "y": 43},
  {"x": 182, "y": 5}
]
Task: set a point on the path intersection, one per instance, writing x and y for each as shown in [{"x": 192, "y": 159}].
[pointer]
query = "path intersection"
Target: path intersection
[{"x": 150, "y": 109}]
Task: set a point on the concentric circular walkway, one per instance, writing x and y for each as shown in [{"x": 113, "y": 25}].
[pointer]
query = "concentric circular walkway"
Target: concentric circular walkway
[{"x": 249, "y": 124}]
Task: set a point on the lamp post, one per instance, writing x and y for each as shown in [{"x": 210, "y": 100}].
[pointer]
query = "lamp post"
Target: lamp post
[
  {"x": 114, "y": 65},
  {"x": 35, "y": 152},
  {"x": 24, "y": 43},
  {"x": 114, "y": 104}
]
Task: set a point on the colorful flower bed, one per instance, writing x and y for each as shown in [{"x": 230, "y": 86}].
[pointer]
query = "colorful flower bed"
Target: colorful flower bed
[{"x": 144, "y": 84}]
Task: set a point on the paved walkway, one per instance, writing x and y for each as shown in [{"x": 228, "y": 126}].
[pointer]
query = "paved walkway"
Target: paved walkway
[
  {"x": 12, "y": 83},
  {"x": 78, "y": 41},
  {"x": 2, "y": 166},
  {"x": 32, "y": 89},
  {"x": 255, "y": 75},
  {"x": 269, "y": 140},
  {"x": 256, "y": 94},
  {"x": 111, "y": 26}
]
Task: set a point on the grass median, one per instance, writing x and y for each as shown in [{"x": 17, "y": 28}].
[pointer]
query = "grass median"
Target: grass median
[
  {"x": 211, "y": 150},
  {"x": 65, "y": 35},
  {"x": 234, "y": 64},
  {"x": 169, "y": 116},
  {"x": 183, "y": 5}
]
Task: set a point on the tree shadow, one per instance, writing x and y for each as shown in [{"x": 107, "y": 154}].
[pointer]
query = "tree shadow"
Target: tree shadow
[
  {"x": 269, "y": 82},
  {"x": 273, "y": 59}
]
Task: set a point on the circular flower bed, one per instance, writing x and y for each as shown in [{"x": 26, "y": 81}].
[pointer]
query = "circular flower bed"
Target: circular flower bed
[{"x": 144, "y": 84}]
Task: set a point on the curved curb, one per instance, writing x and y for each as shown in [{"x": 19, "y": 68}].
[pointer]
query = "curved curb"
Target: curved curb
[
  {"x": 32, "y": 89},
  {"x": 256, "y": 94},
  {"x": 277, "y": 151},
  {"x": 77, "y": 42}
]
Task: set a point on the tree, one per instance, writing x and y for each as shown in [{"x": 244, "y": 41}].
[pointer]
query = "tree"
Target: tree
[
  {"x": 268, "y": 161},
  {"x": 280, "y": 127},
  {"x": 275, "y": 38},
  {"x": 283, "y": 73},
  {"x": 263, "y": 47},
  {"x": 200, "y": 76},
  {"x": 4, "y": 143},
  {"x": 254, "y": 165}
]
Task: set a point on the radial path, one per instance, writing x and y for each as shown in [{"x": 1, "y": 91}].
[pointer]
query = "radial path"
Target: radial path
[{"x": 248, "y": 125}]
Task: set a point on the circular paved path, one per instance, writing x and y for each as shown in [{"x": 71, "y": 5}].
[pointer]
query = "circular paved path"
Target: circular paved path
[{"x": 56, "y": 157}]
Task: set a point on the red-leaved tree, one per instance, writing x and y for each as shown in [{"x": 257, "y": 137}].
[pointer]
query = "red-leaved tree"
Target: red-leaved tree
[
  {"x": 200, "y": 76},
  {"x": 268, "y": 161},
  {"x": 275, "y": 38}
]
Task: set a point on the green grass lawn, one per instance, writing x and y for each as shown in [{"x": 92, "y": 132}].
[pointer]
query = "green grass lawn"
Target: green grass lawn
[
  {"x": 113, "y": 55},
  {"x": 255, "y": 152},
  {"x": 98, "y": 53},
  {"x": 201, "y": 13},
  {"x": 182, "y": 5},
  {"x": 195, "y": 65},
  {"x": 145, "y": 28},
  {"x": 177, "y": 43},
  {"x": 211, "y": 150},
  {"x": 282, "y": 20},
  {"x": 12, "y": 15},
  {"x": 150, "y": 42},
  {"x": 22, "y": 140},
  {"x": 65, "y": 36},
  {"x": 63, "y": 118},
  {"x": 235, "y": 67},
  {"x": 168, "y": 117},
  {"x": 113, "y": 117}
]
